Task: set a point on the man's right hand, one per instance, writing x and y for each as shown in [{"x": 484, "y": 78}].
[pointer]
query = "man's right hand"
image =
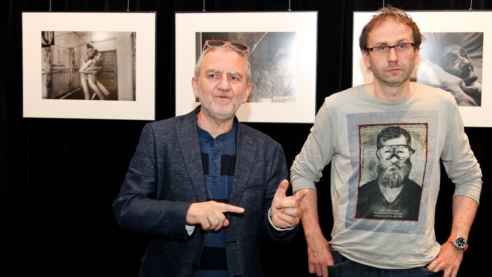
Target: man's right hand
[
  {"x": 210, "y": 215},
  {"x": 319, "y": 255}
]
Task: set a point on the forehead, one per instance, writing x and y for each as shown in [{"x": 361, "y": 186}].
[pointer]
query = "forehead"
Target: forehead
[
  {"x": 225, "y": 60},
  {"x": 395, "y": 141},
  {"x": 389, "y": 31}
]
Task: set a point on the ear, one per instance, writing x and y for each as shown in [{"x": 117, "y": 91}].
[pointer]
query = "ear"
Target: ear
[
  {"x": 365, "y": 60},
  {"x": 248, "y": 91},
  {"x": 194, "y": 85},
  {"x": 378, "y": 154},
  {"x": 417, "y": 56}
]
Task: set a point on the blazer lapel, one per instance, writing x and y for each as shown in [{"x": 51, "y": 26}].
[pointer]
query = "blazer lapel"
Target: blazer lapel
[
  {"x": 244, "y": 161},
  {"x": 186, "y": 129}
]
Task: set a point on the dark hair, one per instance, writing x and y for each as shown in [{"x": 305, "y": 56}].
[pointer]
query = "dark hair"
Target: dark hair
[
  {"x": 390, "y": 13},
  {"x": 391, "y": 133}
]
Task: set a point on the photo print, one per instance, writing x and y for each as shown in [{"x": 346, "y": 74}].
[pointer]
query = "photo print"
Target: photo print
[
  {"x": 272, "y": 57},
  {"x": 282, "y": 54},
  {"x": 92, "y": 65},
  {"x": 453, "y": 61},
  {"x": 392, "y": 171},
  {"x": 88, "y": 65}
]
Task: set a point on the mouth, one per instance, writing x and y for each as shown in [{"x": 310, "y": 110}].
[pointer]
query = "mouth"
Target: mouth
[
  {"x": 223, "y": 98},
  {"x": 393, "y": 69}
]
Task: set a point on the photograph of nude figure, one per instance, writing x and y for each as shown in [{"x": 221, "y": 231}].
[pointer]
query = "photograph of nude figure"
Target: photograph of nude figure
[{"x": 88, "y": 65}]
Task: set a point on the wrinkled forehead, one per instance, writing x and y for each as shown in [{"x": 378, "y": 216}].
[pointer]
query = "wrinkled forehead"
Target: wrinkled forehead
[
  {"x": 389, "y": 30},
  {"x": 225, "y": 60},
  {"x": 401, "y": 140}
]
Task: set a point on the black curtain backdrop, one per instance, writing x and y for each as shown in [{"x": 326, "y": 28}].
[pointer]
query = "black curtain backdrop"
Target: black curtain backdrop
[{"x": 61, "y": 175}]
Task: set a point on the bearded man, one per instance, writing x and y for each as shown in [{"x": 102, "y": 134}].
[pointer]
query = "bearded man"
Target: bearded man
[{"x": 392, "y": 195}]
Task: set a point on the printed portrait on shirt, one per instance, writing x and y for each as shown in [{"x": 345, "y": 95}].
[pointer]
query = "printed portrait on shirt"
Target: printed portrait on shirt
[{"x": 392, "y": 170}]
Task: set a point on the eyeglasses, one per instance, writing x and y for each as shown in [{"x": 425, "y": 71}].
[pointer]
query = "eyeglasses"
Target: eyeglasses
[
  {"x": 401, "y": 48},
  {"x": 236, "y": 46},
  {"x": 401, "y": 151}
]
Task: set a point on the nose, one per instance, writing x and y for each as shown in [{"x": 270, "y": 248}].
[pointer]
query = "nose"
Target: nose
[
  {"x": 392, "y": 55},
  {"x": 394, "y": 158},
  {"x": 224, "y": 83}
]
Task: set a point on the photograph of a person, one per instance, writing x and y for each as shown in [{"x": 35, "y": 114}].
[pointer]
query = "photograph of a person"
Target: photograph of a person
[
  {"x": 272, "y": 58},
  {"x": 88, "y": 65},
  {"x": 453, "y": 61},
  {"x": 389, "y": 191}
]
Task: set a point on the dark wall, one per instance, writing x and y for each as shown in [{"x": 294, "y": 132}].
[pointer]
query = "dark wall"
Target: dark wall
[{"x": 60, "y": 176}]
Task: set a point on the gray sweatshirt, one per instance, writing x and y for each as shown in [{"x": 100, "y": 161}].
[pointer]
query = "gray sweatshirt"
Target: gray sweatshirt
[{"x": 385, "y": 171}]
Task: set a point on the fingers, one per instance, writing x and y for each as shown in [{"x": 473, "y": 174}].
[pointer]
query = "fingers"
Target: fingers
[
  {"x": 299, "y": 196},
  {"x": 281, "y": 190},
  {"x": 215, "y": 215},
  {"x": 448, "y": 261},
  {"x": 210, "y": 215},
  {"x": 433, "y": 266},
  {"x": 227, "y": 208},
  {"x": 285, "y": 220},
  {"x": 324, "y": 271},
  {"x": 214, "y": 221},
  {"x": 318, "y": 269},
  {"x": 319, "y": 256},
  {"x": 290, "y": 201}
]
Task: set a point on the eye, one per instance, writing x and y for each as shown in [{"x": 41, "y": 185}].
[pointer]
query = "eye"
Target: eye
[
  {"x": 387, "y": 149},
  {"x": 235, "y": 77},
  {"x": 381, "y": 48},
  {"x": 213, "y": 75}
]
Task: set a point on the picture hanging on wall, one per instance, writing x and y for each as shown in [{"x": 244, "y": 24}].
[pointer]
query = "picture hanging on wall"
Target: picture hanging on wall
[
  {"x": 89, "y": 65},
  {"x": 282, "y": 54},
  {"x": 453, "y": 57}
]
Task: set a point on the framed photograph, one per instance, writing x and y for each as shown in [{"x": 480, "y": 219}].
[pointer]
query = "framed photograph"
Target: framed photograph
[
  {"x": 89, "y": 65},
  {"x": 453, "y": 56},
  {"x": 282, "y": 56}
]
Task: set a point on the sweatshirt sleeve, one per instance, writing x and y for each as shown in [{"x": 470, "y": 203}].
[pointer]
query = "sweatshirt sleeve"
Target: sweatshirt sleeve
[
  {"x": 459, "y": 161},
  {"x": 316, "y": 152}
]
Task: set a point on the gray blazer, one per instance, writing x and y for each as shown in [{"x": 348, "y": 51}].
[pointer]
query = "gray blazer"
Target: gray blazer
[{"x": 165, "y": 176}]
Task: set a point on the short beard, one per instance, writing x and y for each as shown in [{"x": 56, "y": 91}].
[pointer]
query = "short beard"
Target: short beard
[{"x": 394, "y": 175}]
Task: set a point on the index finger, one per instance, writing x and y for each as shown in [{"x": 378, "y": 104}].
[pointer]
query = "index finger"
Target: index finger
[{"x": 231, "y": 208}]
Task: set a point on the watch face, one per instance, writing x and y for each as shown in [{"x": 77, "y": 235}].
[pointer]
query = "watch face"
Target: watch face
[{"x": 460, "y": 243}]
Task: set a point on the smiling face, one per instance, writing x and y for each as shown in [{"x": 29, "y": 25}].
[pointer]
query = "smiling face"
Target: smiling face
[
  {"x": 394, "y": 68},
  {"x": 222, "y": 85}
]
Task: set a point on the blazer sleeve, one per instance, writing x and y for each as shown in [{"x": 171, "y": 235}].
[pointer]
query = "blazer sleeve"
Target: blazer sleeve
[
  {"x": 137, "y": 207},
  {"x": 278, "y": 172}
]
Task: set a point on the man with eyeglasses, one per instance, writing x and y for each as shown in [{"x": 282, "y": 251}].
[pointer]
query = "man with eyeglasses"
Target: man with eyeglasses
[
  {"x": 392, "y": 195},
  {"x": 204, "y": 187},
  {"x": 384, "y": 222}
]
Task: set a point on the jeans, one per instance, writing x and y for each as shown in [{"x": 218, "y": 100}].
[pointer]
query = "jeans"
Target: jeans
[{"x": 344, "y": 267}]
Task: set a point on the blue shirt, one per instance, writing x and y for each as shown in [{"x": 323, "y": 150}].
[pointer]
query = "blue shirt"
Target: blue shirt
[{"x": 218, "y": 160}]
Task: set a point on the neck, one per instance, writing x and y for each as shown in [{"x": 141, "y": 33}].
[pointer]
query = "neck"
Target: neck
[
  {"x": 215, "y": 127},
  {"x": 391, "y": 93}
]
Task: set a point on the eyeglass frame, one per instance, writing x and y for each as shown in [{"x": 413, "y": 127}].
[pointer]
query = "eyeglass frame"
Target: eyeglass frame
[
  {"x": 394, "y": 153},
  {"x": 385, "y": 48},
  {"x": 238, "y": 47}
]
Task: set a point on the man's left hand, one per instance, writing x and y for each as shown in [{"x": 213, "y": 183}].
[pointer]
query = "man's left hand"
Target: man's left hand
[
  {"x": 286, "y": 210},
  {"x": 448, "y": 260}
]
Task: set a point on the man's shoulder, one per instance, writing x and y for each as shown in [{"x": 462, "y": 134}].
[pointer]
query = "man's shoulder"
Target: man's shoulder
[
  {"x": 343, "y": 95},
  {"x": 170, "y": 124},
  {"x": 369, "y": 186},
  {"x": 411, "y": 184},
  {"x": 430, "y": 92},
  {"x": 256, "y": 135}
]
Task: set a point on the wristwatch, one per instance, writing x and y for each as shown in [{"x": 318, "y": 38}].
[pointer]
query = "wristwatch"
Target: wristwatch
[{"x": 460, "y": 243}]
